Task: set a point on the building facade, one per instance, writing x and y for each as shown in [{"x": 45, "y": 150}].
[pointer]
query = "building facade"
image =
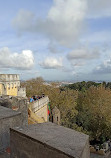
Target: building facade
[{"x": 10, "y": 85}]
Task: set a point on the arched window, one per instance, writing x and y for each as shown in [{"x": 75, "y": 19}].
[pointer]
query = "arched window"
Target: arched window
[
  {"x": 12, "y": 85},
  {"x": 8, "y": 85}
]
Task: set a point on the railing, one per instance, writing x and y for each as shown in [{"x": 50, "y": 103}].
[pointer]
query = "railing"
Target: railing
[{"x": 36, "y": 105}]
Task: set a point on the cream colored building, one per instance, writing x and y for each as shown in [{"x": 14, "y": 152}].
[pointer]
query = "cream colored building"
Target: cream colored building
[{"x": 10, "y": 85}]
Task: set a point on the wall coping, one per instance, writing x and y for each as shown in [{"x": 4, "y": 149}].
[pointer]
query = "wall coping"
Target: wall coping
[
  {"x": 64, "y": 140},
  {"x": 7, "y": 113}
]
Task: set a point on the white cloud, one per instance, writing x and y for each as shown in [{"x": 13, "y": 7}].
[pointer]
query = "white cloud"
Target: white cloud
[
  {"x": 24, "y": 21},
  {"x": 51, "y": 63},
  {"x": 83, "y": 53},
  {"x": 104, "y": 68},
  {"x": 63, "y": 23},
  {"x": 78, "y": 64},
  {"x": 23, "y": 60},
  {"x": 99, "y": 8},
  {"x": 74, "y": 73}
]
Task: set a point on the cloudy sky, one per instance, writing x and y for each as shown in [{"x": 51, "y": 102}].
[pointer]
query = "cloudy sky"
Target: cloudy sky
[{"x": 56, "y": 39}]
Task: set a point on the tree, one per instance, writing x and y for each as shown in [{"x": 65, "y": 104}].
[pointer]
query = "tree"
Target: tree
[
  {"x": 94, "y": 112},
  {"x": 82, "y": 86}
]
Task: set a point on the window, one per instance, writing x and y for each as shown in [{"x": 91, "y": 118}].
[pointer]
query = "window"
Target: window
[
  {"x": 8, "y": 86},
  {"x": 12, "y": 85}
]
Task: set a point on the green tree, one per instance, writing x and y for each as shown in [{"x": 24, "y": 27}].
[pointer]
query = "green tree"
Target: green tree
[{"x": 94, "y": 112}]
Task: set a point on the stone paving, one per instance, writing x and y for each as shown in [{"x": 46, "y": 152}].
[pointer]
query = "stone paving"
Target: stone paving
[
  {"x": 5, "y": 155},
  {"x": 99, "y": 156}
]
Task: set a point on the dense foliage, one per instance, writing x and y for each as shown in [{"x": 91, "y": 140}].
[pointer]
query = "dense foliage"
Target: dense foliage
[
  {"x": 82, "y": 86},
  {"x": 84, "y": 106},
  {"x": 94, "y": 112}
]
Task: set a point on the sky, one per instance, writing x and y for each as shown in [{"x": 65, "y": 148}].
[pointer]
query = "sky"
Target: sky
[{"x": 59, "y": 40}]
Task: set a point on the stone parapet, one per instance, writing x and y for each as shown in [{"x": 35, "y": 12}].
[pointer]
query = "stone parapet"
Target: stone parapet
[
  {"x": 48, "y": 140},
  {"x": 36, "y": 105},
  {"x": 8, "y": 119},
  {"x": 18, "y": 104}
]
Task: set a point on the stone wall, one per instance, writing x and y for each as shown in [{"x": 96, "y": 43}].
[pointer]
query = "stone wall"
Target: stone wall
[
  {"x": 27, "y": 148},
  {"x": 43, "y": 113},
  {"x": 55, "y": 116},
  {"x": 8, "y": 119},
  {"x": 48, "y": 140},
  {"x": 21, "y": 92},
  {"x": 18, "y": 104},
  {"x": 40, "y": 108}
]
